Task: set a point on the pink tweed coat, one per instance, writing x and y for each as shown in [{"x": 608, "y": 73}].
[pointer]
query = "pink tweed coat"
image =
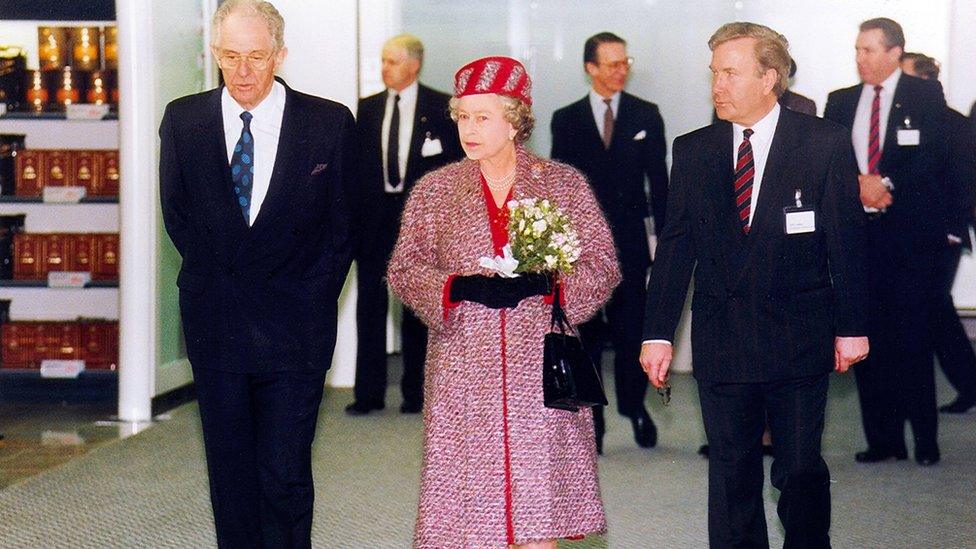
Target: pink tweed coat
[{"x": 499, "y": 467}]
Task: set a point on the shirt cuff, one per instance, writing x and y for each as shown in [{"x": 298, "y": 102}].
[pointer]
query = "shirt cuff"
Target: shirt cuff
[
  {"x": 662, "y": 341},
  {"x": 954, "y": 239},
  {"x": 446, "y": 302}
]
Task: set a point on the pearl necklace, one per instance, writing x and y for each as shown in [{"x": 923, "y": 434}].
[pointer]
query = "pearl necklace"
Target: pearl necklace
[{"x": 501, "y": 183}]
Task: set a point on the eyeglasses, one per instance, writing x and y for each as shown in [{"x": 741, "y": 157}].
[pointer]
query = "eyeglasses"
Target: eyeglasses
[
  {"x": 665, "y": 393},
  {"x": 616, "y": 65},
  {"x": 256, "y": 62}
]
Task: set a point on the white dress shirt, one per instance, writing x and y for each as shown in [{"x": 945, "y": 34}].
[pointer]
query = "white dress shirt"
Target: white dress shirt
[
  {"x": 265, "y": 129},
  {"x": 862, "y": 118},
  {"x": 761, "y": 140},
  {"x": 408, "y": 106},
  {"x": 599, "y": 108}
]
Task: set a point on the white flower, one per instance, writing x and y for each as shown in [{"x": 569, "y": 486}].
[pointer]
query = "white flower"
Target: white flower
[
  {"x": 540, "y": 226},
  {"x": 504, "y": 265}
]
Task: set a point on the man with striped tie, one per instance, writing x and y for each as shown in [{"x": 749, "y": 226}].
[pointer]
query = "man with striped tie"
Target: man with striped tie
[
  {"x": 764, "y": 211},
  {"x": 897, "y": 124}
]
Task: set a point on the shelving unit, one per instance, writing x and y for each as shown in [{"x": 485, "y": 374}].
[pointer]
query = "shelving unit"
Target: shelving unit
[{"x": 32, "y": 299}]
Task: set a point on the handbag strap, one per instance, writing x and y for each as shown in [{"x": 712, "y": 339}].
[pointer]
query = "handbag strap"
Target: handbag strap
[{"x": 559, "y": 319}]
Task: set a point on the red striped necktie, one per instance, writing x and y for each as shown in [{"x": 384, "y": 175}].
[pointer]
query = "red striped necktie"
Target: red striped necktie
[
  {"x": 745, "y": 171},
  {"x": 874, "y": 136}
]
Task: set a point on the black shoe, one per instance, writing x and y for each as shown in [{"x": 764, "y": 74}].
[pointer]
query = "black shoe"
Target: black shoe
[
  {"x": 703, "y": 451},
  {"x": 927, "y": 457},
  {"x": 959, "y": 406},
  {"x": 599, "y": 429},
  {"x": 361, "y": 408},
  {"x": 411, "y": 407},
  {"x": 645, "y": 433},
  {"x": 874, "y": 456}
]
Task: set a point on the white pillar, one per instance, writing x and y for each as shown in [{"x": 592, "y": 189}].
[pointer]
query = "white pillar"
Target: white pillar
[{"x": 137, "y": 215}]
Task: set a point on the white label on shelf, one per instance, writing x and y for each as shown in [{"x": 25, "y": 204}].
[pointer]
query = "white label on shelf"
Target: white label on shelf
[
  {"x": 62, "y": 369},
  {"x": 62, "y": 195},
  {"x": 85, "y": 111},
  {"x": 68, "y": 279},
  {"x": 3, "y": 109}
]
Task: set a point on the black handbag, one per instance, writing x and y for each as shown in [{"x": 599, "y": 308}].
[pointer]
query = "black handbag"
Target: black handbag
[{"x": 570, "y": 381}]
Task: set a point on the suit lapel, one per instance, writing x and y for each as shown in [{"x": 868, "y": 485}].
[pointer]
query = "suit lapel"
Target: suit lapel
[
  {"x": 895, "y": 117},
  {"x": 421, "y": 123},
  {"x": 773, "y": 184},
  {"x": 228, "y": 221},
  {"x": 587, "y": 124},
  {"x": 289, "y": 161}
]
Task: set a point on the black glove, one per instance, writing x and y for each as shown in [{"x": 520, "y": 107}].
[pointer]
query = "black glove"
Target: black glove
[{"x": 496, "y": 292}]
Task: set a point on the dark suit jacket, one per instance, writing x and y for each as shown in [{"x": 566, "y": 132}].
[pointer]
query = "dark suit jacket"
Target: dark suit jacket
[
  {"x": 259, "y": 298},
  {"x": 917, "y": 220},
  {"x": 617, "y": 175},
  {"x": 431, "y": 119},
  {"x": 959, "y": 187},
  {"x": 766, "y": 306}
]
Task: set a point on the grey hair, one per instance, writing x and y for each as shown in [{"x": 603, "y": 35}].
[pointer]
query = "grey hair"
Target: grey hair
[
  {"x": 409, "y": 42},
  {"x": 253, "y": 8}
]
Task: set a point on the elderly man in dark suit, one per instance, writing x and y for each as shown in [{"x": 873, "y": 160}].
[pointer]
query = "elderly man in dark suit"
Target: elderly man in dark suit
[
  {"x": 952, "y": 345},
  {"x": 764, "y": 211},
  {"x": 898, "y": 126},
  {"x": 405, "y": 132},
  {"x": 617, "y": 141},
  {"x": 254, "y": 181}
]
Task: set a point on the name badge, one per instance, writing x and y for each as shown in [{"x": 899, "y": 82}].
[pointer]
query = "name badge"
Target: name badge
[
  {"x": 431, "y": 147},
  {"x": 908, "y": 138},
  {"x": 799, "y": 220}
]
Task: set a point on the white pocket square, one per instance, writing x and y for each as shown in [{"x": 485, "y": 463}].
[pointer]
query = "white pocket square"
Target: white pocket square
[
  {"x": 319, "y": 168},
  {"x": 640, "y": 135}
]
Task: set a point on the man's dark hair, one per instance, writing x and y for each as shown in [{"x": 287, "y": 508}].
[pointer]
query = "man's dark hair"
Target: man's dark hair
[
  {"x": 593, "y": 42},
  {"x": 893, "y": 35},
  {"x": 925, "y": 67}
]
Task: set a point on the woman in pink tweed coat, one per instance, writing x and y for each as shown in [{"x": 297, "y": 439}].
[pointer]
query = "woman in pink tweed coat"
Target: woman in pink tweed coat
[{"x": 500, "y": 469}]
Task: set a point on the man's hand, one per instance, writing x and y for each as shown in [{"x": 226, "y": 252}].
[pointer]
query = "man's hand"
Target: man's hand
[
  {"x": 655, "y": 360},
  {"x": 847, "y": 351},
  {"x": 874, "y": 193}
]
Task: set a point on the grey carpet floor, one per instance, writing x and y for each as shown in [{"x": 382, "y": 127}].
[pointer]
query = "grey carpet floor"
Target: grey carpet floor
[{"x": 150, "y": 490}]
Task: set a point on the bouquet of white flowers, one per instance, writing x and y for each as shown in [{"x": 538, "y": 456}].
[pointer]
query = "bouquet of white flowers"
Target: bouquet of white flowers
[{"x": 541, "y": 237}]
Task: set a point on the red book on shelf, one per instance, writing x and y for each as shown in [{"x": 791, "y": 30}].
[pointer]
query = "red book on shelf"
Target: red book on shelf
[
  {"x": 86, "y": 170},
  {"x": 60, "y": 341},
  {"x": 27, "y": 257},
  {"x": 57, "y": 253},
  {"x": 100, "y": 340},
  {"x": 18, "y": 345},
  {"x": 110, "y": 174},
  {"x": 82, "y": 252},
  {"x": 57, "y": 167},
  {"x": 29, "y": 177},
  {"x": 106, "y": 256}
]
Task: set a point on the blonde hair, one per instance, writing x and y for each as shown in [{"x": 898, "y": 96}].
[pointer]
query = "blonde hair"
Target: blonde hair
[
  {"x": 251, "y": 8},
  {"x": 518, "y": 113},
  {"x": 772, "y": 49},
  {"x": 409, "y": 42}
]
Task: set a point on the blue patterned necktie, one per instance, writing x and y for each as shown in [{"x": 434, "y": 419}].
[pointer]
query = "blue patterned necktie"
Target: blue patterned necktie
[{"x": 242, "y": 167}]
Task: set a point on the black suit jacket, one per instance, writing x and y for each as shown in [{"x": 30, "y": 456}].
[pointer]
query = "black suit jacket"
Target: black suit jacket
[
  {"x": 766, "y": 306},
  {"x": 959, "y": 187},
  {"x": 259, "y": 298},
  {"x": 617, "y": 174},
  {"x": 431, "y": 120},
  {"x": 917, "y": 220}
]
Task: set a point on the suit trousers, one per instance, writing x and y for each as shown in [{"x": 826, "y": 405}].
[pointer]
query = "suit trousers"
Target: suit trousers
[
  {"x": 257, "y": 432},
  {"x": 952, "y": 345},
  {"x": 735, "y": 415},
  {"x": 371, "y": 312},
  {"x": 896, "y": 382},
  {"x": 625, "y": 319}
]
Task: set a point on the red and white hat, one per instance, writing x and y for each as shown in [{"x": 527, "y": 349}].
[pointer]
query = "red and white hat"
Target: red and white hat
[{"x": 500, "y": 75}]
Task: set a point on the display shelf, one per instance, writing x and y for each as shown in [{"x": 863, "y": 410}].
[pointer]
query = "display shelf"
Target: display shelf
[
  {"x": 11, "y": 199},
  {"x": 43, "y": 284},
  {"x": 55, "y": 116},
  {"x": 14, "y": 373}
]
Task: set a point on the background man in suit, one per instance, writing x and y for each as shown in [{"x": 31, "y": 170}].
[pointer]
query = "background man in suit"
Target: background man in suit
[
  {"x": 253, "y": 183},
  {"x": 777, "y": 251},
  {"x": 617, "y": 141},
  {"x": 405, "y": 132},
  {"x": 952, "y": 345},
  {"x": 898, "y": 127}
]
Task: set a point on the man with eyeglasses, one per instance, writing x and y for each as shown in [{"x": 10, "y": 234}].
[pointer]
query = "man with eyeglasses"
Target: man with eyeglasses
[
  {"x": 617, "y": 141},
  {"x": 254, "y": 185}
]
